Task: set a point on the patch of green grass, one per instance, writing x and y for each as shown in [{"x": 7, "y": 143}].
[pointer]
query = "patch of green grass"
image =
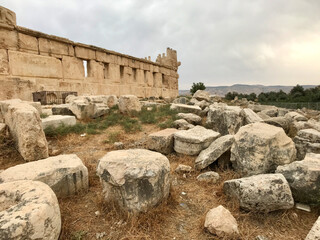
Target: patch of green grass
[
  {"x": 113, "y": 137},
  {"x": 148, "y": 116},
  {"x": 130, "y": 125},
  {"x": 44, "y": 115},
  {"x": 63, "y": 130},
  {"x": 79, "y": 235}
]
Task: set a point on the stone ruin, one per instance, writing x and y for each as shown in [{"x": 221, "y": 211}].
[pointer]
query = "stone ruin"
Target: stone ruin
[{"x": 32, "y": 61}]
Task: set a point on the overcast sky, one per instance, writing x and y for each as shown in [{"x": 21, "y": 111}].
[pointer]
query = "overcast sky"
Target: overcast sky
[{"x": 219, "y": 42}]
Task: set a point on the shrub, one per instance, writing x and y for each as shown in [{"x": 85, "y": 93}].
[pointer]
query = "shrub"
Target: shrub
[{"x": 197, "y": 86}]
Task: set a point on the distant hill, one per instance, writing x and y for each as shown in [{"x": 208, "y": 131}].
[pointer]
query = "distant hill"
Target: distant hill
[{"x": 246, "y": 89}]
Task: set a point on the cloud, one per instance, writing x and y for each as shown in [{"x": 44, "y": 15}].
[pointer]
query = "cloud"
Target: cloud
[{"x": 218, "y": 42}]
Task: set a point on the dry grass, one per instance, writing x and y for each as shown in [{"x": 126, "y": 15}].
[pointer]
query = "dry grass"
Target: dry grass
[{"x": 180, "y": 217}]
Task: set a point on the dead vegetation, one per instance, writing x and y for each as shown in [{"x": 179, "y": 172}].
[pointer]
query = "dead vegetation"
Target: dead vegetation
[{"x": 87, "y": 216}]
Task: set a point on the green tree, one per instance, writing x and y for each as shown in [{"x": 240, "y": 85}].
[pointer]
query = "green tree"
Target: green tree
[{"x": 197, "y": 86}]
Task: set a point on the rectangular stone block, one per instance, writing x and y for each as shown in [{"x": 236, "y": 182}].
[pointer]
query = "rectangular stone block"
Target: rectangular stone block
[
  {"x": 71, "y": 50},
  {"x": 149, "y": 76},
  {"x": 114, "y": 73},
  {"x": 165, "y": 71},
  {"x": 138, "y": 91},
  {"x": 8, "y": 39},
  {"x": 17, "y": 88},
  {"x": 85, "y": 53},
  {"x": 95, "y": 70},
  {"x": 71, "y": 85},
  {"x": 72, "y": 68},
  {"x": 4, "y": 64},
  {"x": 31, "y": 65},
  {"x": 157, "y": 80},
  {"x": 27, "y": 42},
  {"x": 53, "y": 47},
  {"x": 125, "y": 90},
  {"x": 102, "y": 57}
]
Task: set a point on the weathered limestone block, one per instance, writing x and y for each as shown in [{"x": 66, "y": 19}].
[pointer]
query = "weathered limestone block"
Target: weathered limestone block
[
  {"x": 32, "y": 65},
  {"x": 162, "y": 141},
  {"x": 4, "y": 64},
  {"x": 65, "y": 174},
  {"x": 72, "y": 68},
  {"x": 213, "y": 152},
  {"x": 263, "y": 116},
  {"x": 210, "y": 176},
  {"x": 25, "y": 127},
  {"x": 202, "y": 95},
  {"x": 136, "y": 179},
  {"x": 180, "y": 100},
  {"x": 182, "y": 124},
  {"x": 314, "y": 124},
  {"x": 296, "y": 116},
  {"x": 95, "y": 70},
  {"x": 250, "y": 116},
  {"x": 53, "y": 47},
  {"x": 261, "y": 193},
  {"x": 314, "y": 233},
  {"x": 282, "y": 122},
  {"x": 7, "y": 17},
  {"x": 190, "y": 118},
  {"x": 186, "y": 108},
  {"x": 28, "y": 210},
  {"x": 306, "y": 141},
  {"x": 129, "y": 104},
  {"x": 58, "y": 120},
  {"x": 260, "y": 148},
  {"x": 220, "y": 222},
  {"x": 271, "y": 112},
  {"x": 258, "y": 108},
  {"x": 193, "y": 141},
  {"x": 303, "y": 178},
  {"x": 61, "y": 109},
  {"x": 27, "y": 42},
  {"x": 84, "y": 53},
  {"x": 8, "y": 39},
  {"x": 224, "y": 119},
  {"x": 183, "y": 169}
]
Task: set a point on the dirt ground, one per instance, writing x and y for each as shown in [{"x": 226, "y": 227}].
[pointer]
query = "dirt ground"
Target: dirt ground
[{"x": 87, "y": 216}]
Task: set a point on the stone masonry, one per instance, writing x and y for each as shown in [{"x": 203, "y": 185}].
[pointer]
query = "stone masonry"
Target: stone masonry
[{"x": 33, "y": 61}]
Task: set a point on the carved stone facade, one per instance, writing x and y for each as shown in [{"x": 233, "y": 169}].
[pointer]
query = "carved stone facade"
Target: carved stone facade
[{"x": 33, "y": 61}]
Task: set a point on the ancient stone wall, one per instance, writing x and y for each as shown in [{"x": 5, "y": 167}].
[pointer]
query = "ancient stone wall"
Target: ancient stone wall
[{"x": 33, "y": 61}]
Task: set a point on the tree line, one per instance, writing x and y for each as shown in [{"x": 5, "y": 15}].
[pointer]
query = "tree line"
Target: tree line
[{"x": 297, "y": 94}]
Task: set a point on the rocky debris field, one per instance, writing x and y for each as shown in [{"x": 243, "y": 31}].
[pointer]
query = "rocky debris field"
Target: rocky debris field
[{"x": 102, "y": 167}]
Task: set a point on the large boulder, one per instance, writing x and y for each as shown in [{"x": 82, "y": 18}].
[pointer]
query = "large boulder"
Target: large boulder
[
  {"x": 296, "y": 116},
  {"x": 220, "y": 222},
  {"x": 224, "y": 119},
  {"x": 282, "y": 122},
  {"x": 190, "y": 118},
  {"x": 162, "y": 141},
  {"x": 303, "y": 178},
  {"x": 260, "y": 148},
  {"x": 307, "y": 140},
  {"x": 129, "y": 104},
  {"x": 194, "y": 140},
  {"x": 250, "y": 116},
  {"x": 25, "y": 127},
  {"x": 184, "y": 108},
  {"x": 65, "y": 174},
  {"x": 314, "y": 233},
  {"x": 214, "y": 151},
  {"x": 202, "y": 95},
  {"x": 261, "y": 193},
  {"x": 58, "y": 120},
  {"x": 28, "y": 210},
  {"x": 136, "y": 179}
]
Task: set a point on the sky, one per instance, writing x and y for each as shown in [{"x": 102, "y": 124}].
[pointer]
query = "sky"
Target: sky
[{"x": 219, "y": 42}]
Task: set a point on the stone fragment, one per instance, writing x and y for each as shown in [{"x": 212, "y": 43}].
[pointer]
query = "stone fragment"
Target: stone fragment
[
  {"x": 28, "y": 210},
  {"x": 193, "y": 141},
  {"x": 282, "y": 112},
  {"x": 202, "y": 104},
  {"x": 263, "y": 116},
  {"x": 220, "y": 222},
  {"x": 24, "y": 124},
  {"x": 224, "y": 119},
  {"x": 296, "y": 116},
  {"x": 184, "y": 108},
  {"x": 271, "y": 112},
  {"x": 162, "y": 141},
  {"x": 129, "y": 104},
  {"x": 202, "y": 95},
  {"x": 313, "y": 124},
  {"x": 183, "y": 169},
  {"x": 261, "y": 193},
  {"x": 250, "y": 116},
  {"x": 61, "y": 109},
  {"x": 282, "y": 122},
  {"x": 190, "y": 118},
  {"x": 214, "y": 151},
  {"x": 182, "y": 124},
  {"x": 180, "y": 100},
  {"x": 259, "y": 108},
  {"x": 260, "y": 148},
  {"x": 210, "y": 176},
  {"x": 118, "y": 145},
  {"x": 58, "y": 120},
  {"x": 65, "y": 174},
  {"x": 136, "y": 179},
  {"x": 302, "y": 177},
  {"x": 307, "y": 141},
  {"x": 314, "y": 233}
]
